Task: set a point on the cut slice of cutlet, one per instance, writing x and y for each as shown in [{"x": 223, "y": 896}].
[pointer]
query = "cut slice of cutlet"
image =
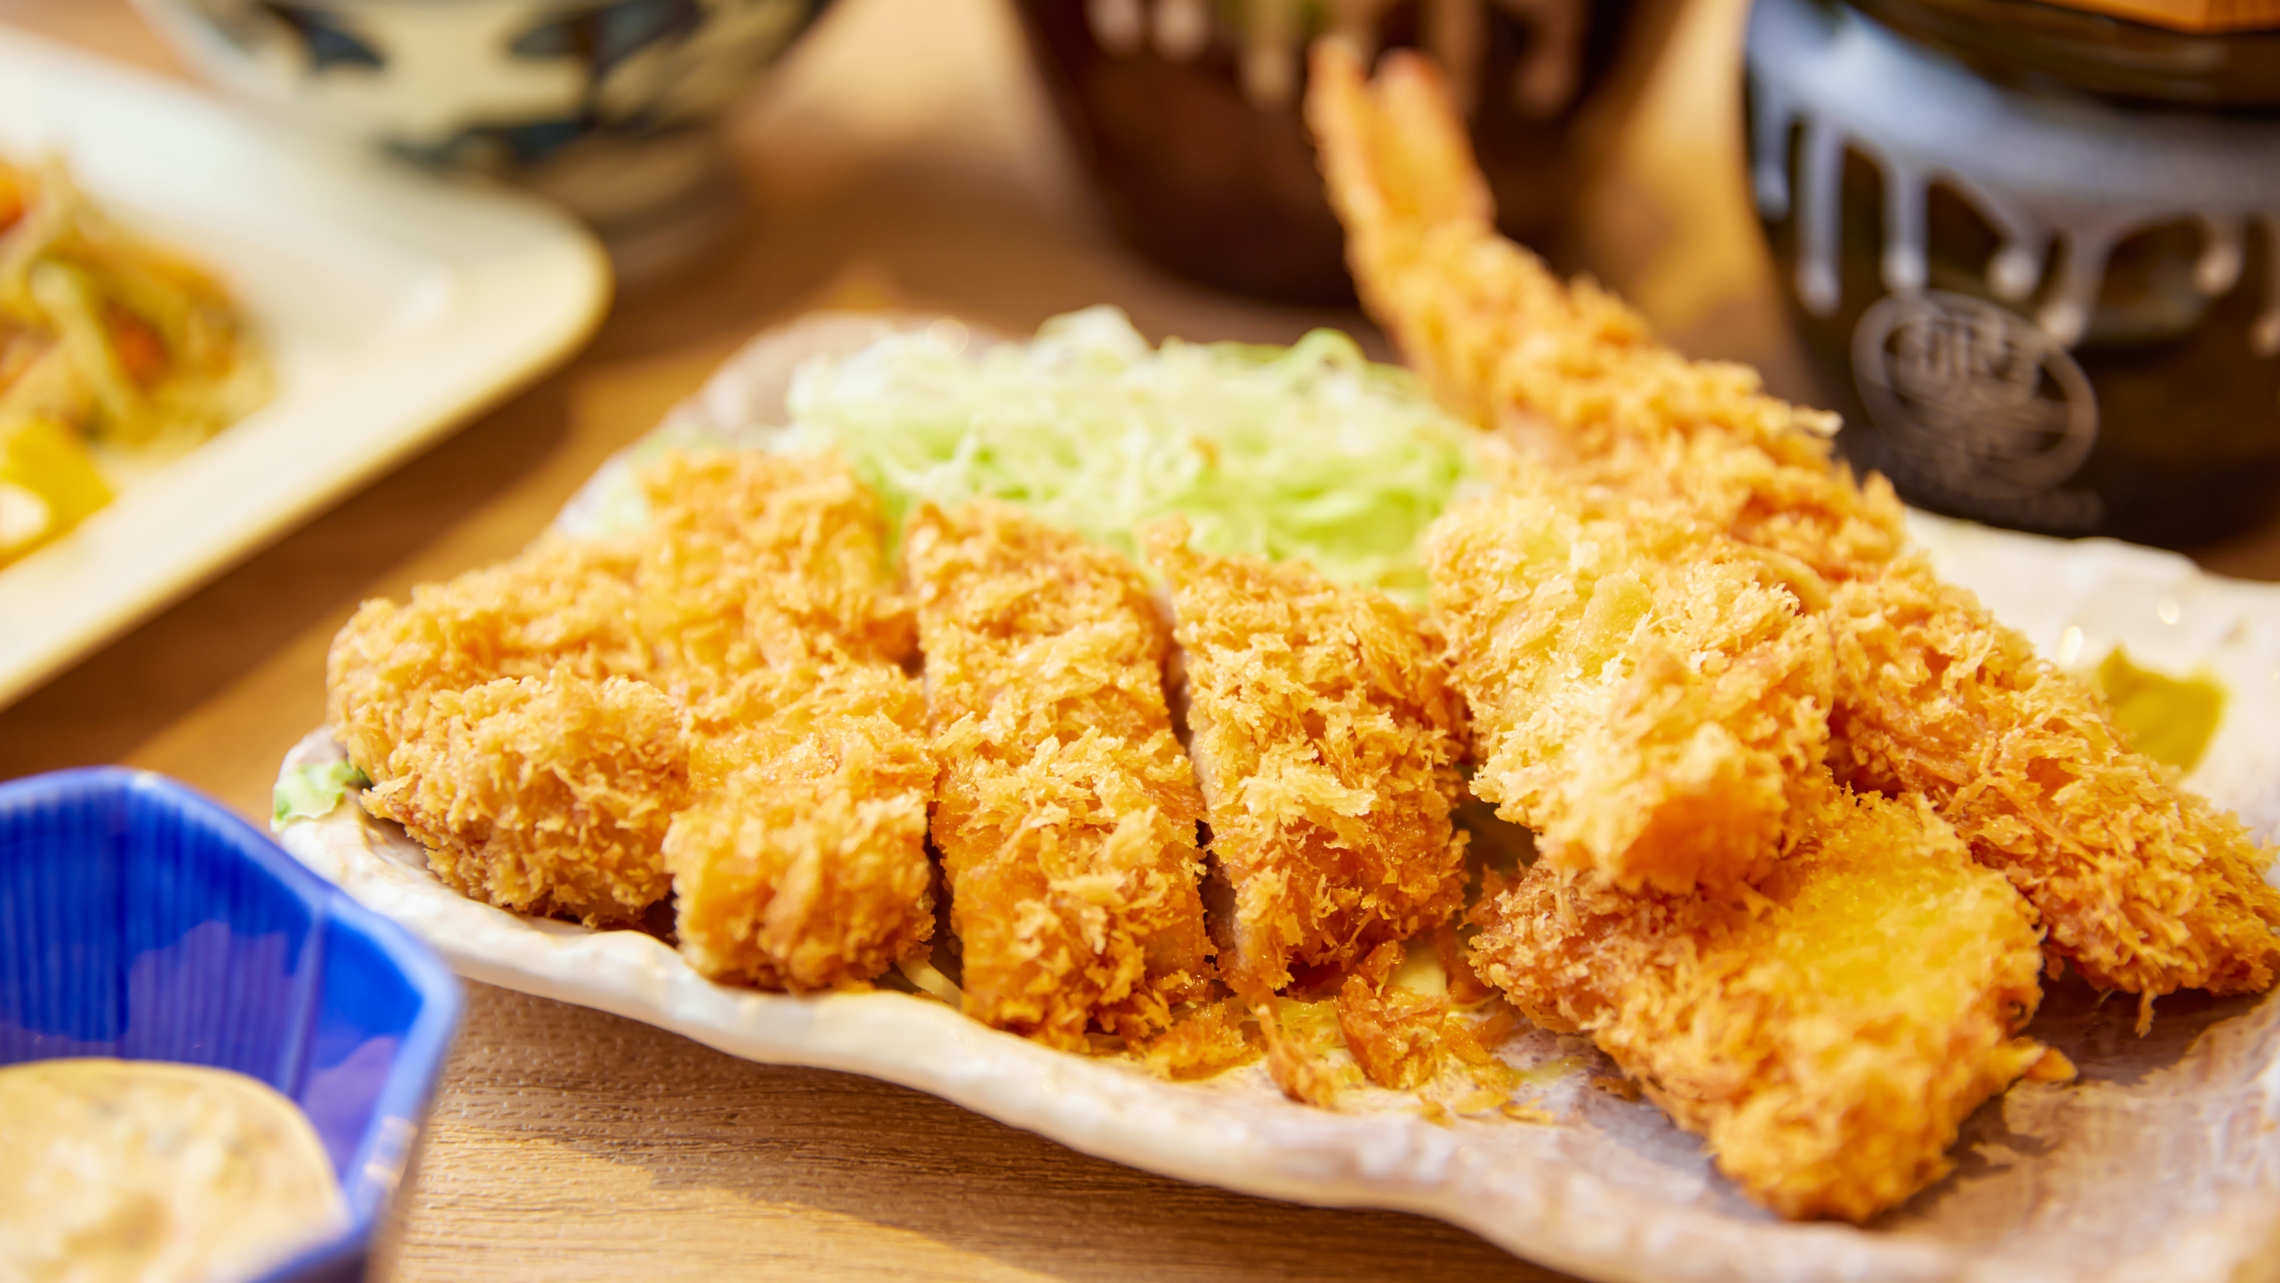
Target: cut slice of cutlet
[
  {"x": 1324, "y": 736},
  {"x": 1066, "y": 810}
]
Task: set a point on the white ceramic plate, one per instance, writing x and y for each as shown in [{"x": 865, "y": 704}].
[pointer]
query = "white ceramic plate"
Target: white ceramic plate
[
  {"x": 392, "y": 306},
  {"x": 2162, "y": 1162}
]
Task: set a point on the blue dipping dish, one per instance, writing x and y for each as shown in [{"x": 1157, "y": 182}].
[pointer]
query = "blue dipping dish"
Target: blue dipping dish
[{"x": 144, "y": 921}]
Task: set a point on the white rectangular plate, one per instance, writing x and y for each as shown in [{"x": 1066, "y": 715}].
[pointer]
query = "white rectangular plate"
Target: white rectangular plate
[
  {"x": 2161, "y": 1162},
  {"x": 392, "y": 306}
]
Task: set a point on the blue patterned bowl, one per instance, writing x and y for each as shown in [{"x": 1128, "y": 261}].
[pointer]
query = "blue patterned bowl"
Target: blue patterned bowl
[
  {"x": 141, "y": 920},
  {"x": 609, "y": 106}
]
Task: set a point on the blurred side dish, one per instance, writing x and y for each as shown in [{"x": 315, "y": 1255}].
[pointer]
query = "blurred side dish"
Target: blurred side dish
[{"x": 115, "y": 354}]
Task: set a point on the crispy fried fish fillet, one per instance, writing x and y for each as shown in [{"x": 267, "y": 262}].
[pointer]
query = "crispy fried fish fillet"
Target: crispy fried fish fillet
[
  {"x": 801, "y": 862},
  {"x": 502, "y": 723},
  {"x": 751, "y": 558},
  {"x": 2143, "y": 885},
  {"x": 1324, "y": 736},
  {"x": 1643, "y": 690},
  {"x": 1066, "y": 811},
  {"x": 1827, "y": 1035}
]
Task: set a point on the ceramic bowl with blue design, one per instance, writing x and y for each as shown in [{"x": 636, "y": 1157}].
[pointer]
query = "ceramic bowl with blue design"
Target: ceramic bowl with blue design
[
  {"x": 142, "y": 921},
  {"x": 609, "y": 106}
]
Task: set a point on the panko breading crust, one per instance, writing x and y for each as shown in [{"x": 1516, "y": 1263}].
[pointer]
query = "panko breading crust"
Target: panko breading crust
[
  {"x": 2144, "y": 886},
  {"x": 719, "y": 685},
  {"x": 545, "y": 795},
  {"x": 1827, "y": 1036},
  {"x": 1066, "y": 811},
  {"x": 752, "y": 559},
  {"x": 1643, "y": 691},
  {"x": 1324, "y": 736},
  {"x": 502, "y": 721},
  {"x": 801, "y": 864}
]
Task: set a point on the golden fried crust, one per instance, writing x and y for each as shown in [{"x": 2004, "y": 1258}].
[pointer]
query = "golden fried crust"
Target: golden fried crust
[
  {"x": 560, "y": 605},
  {"x": 1643, "y": 690},
  {"x": 1065, "y": 809},
  {"x": 1828, "y": 1036},
  {"x": 1325, "y": 740},
  {"x": 545, "y": 795},
  {"x": 1569, "y": 373},
  {"x": 2145, "y": 887},
  {"x": 751, "y": 558}
]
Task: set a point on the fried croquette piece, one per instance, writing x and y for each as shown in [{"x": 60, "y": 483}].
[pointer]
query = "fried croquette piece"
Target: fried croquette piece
[
  {"x": 1826, "y": 1035},
  {"x": 2142, "y": 885},
  {"x": 751, "y": 558},
  {"x": 1324, "y": 736},
  {"x": 545, "y": 795},
  {"x": 1066, "y": 812},
  {"x": 1569, "y": 373},
  {"x": 801, "y": 862},
  {"x": 561, "y": 605},
  {"x": 1643, "y": 690}
]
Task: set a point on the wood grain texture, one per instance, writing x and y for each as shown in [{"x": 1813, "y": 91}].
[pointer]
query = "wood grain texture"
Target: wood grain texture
[{"x": 904, "y": 140}]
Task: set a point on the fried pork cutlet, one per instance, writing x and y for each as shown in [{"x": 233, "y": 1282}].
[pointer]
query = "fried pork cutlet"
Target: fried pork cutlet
[
  {"x": 801, "y": 862},
  {"x": 496, "y": 720},
  {"x": 2144, "y": 886},
  {"x": 561, "y": 605},
  {"x": 1827, "y": 1036},
  {"x": 751, "y": 558},
  {"x": 1066, "y": 812},
  {"x": 1643, "y": 690},
  {"x": 1324, "y": 736}
]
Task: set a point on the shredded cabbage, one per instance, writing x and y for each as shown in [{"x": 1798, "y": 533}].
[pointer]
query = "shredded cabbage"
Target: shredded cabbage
[
  {"x": 307, "y": 792},
  {"x": 1309, "y": 452}
]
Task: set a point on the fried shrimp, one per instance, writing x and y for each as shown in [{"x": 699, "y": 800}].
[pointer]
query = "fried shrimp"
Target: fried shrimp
[
  {"x": 1324, "y": 737},
  {"x": 1826, "y": 1036},
  {"x": 801, "y": 862},
  {"x": 1066, "y": 812},
  {"x": 1643, "y": 690},
  {"x": 2144, "y": 886},
  {"x": 1566, "y": 372},
  {"x": 751, "y": 558}
]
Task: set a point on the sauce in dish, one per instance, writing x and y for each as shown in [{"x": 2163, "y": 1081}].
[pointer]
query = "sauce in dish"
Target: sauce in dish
[{"x": 124, "y": 1171}]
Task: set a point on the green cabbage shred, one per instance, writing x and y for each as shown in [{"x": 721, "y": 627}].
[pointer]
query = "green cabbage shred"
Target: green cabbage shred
[
  {"x": 307, "y": 792},
  {"x": 1309, "y": 452}
]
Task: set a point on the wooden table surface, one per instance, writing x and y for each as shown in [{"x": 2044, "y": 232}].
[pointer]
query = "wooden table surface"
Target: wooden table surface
[{"x": 904, "y": 141}]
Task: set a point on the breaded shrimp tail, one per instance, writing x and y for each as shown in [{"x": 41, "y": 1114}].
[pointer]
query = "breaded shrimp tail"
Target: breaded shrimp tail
[
  {"x": 1325, "y": 740},
  {"x": 1826, "y": 1038},
  {"x": 801, "y": 864},
  {"x": 1066, "y": 811},
  {"x": 1568, "y": 373},
  {"x": 1643, "y": 690},
  {"x": 2142, "y": 885}
]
